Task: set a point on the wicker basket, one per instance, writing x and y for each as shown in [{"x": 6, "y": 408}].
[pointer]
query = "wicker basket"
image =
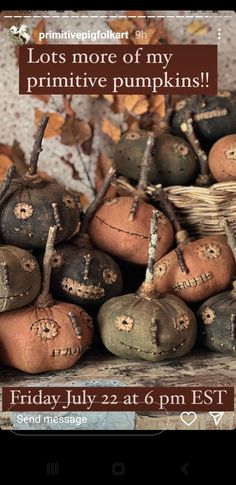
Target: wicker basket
[{"x": 198, "y": 208}]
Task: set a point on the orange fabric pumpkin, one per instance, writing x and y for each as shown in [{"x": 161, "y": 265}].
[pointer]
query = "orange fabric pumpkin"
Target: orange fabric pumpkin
[
  {"x": 41, "y": 339},
  {"x": 222, "y": 159},
  {"x": 112, "y": 230},
  {"x": 210, "y": 267}
]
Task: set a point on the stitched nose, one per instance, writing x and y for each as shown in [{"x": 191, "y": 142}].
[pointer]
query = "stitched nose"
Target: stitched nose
[{"x": 154, "y": 332}]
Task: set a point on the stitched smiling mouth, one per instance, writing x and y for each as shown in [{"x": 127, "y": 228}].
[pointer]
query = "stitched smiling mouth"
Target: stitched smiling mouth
[
  {"x": 206, "y": 115},
  {"x": 154, "y": 353},
  {"x": 199, "y": 280},
  {"x": 26, "y": 292}
]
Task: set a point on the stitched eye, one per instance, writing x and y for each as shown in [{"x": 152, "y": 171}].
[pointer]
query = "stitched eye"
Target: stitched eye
[
  {"x": 69, "y": 201},
  {"x": 208, "y": 315},
  {"x": 57, "y": 260},
  {"x": 28, "y": 265},
  {"x": 181, "y": 322},
  {"x": 109, "y": 276},
  {"x": 124, "y": 323},
  {"x": 46, "y": 328},
  {"x": 23, "y": 210},
  {"x": 209, "y": 251},
  {"x": 161, "y": 269}
]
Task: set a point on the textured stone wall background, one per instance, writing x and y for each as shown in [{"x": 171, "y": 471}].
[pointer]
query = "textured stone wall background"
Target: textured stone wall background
[{"x": 17, "y": 120}]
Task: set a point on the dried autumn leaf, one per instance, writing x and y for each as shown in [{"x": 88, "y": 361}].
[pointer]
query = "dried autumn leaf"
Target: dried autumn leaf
[
  {"x": 139, "y": 22},
  {"x": 5, "y": 150},
  {"x": 56, "y": 121},
  {"x": 110, "y": 129},
  {"x": 118, "y": 103},
  {"x": 75, "y": 132},
  {"x": 5, "y": 163},
  {"x": 42, "y": 97},
  {"x": 157, "y": 104},
  {"x": 108, "y": 97},
  {"x": 196, "y": 27},
  {"x": 121, "y": 25},
  {"x": 84, "y": 200},
  {"x": 40, "y": 27},
  {"x": 136, "y": 103}
]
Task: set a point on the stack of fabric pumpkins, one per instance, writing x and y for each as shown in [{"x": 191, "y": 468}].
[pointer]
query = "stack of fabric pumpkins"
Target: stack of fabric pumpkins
[{"x": 87, "y": 260}]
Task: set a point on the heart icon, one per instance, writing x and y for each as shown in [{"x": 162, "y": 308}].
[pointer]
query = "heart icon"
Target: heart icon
[{"x": 188, "y": 417}]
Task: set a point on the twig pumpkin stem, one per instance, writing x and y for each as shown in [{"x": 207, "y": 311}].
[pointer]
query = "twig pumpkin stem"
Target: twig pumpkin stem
[
  {"x": 147, "y": 289},
  {"x": 45, "y": 299},
  {"x": 181, "y": 235},
  {"x": 231, "y": 240},
  {"x": 186, "y": 127},
  {"x": 143, "y": 179},
  {"x": 152, "y": 248},
  {"x": 37, "y": 147},
  {"x": 97, "y": 201},
  {"x": 7, "y": 180}
]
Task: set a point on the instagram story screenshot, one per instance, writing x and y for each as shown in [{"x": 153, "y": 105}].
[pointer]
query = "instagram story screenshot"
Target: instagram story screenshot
[{"x": 117, "y": 222}]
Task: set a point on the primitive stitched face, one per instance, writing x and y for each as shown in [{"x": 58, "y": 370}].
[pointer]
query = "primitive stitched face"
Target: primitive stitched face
[
  {"x": 137, "y": 328},
  {"x": 211, "y": 267},
  {"x": 41, "y": 339},
  {"x": 27, "y": 214},
  {"x": 84, "y": 276},
  {"x": 222, "y": 159},
  {"x": 20, "y": 278},
  {"x": 217, "y": 320},
  {"x": 214, "y": 116},
  {"x": 113, "y": 232}
]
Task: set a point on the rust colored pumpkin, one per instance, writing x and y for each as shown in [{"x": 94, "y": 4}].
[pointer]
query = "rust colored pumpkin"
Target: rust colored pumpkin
[
  {"x": 33, "y": 203},
  {"x": 210, "y": 267},
  {"x": 47, "y": 335},
  {"x": 147, "y": 325},
  {"x": 222, "y": 159},
  {"x": 112, "y": 231},
  {"x": 20, "y": 278}
]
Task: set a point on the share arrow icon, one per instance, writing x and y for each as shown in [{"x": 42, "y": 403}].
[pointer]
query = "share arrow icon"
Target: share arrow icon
[{"x": 217, "y": 416}]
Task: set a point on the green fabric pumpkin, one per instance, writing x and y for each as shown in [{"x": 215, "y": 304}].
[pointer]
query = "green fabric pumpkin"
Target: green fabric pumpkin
[{"x": 147, "y": 325}]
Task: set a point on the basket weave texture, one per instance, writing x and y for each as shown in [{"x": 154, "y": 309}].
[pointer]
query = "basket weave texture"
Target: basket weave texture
[{"x": 199, "y": 208}]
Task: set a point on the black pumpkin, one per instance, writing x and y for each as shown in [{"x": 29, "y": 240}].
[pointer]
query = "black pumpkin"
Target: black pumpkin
[
  {"x": 214, "y": 116},
  {"x": 145, "y": 324},
  {"x": 217, "y": 315},
  {"x": 173, "y": 161},
  {"x": 82, "y": 274},
  {"x": 33, "y": 203}
]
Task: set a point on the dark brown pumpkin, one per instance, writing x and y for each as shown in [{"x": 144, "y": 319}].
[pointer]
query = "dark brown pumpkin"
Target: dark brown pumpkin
[
  {"x": 82, "y": 274},
  {"x": 33, "y": 203},
  {"x": 214, "y": 116},
  {"x": 147, "y": 325},
  {"x": 217, "y": 315}
]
